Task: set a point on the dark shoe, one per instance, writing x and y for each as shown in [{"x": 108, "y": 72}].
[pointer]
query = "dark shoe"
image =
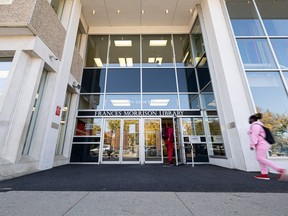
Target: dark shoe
[{"x": 263, "y": 177}]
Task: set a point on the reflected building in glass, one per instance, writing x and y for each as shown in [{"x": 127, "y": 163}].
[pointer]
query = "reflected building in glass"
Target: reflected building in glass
[{"x": 95, "y": 85}]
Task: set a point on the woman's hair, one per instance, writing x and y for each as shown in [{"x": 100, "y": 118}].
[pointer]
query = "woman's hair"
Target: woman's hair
[{"x": 256, "y": 116}]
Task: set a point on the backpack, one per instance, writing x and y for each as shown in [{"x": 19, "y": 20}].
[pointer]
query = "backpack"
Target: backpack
[
  {"x": 269, "y": 136},
  {"x": 165, "y": 133}
]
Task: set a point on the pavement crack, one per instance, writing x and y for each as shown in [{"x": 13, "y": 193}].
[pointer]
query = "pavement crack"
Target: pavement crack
[
  {"x": 184, "y": 204},
  {"x": 76, "y": 203}
]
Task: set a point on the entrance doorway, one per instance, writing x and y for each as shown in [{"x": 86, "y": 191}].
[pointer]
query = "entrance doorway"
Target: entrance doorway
[
  {"x": 139, "y": 140},
  {"x": 121, "y": 141}
]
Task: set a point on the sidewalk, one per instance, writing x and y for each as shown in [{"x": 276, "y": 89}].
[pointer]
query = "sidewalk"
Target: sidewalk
[{"x": 142, "y": 190}]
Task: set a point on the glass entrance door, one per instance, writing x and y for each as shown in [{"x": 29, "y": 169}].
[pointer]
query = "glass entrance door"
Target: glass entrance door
[
  {"x": 121, "y": 141},
  {"x": 153, "y": 141}
]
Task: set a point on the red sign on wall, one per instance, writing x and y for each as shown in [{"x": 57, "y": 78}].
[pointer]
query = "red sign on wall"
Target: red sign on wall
[{"x": 58, "y": 111}]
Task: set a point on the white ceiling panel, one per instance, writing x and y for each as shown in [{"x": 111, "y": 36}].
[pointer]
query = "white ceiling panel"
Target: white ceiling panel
[
  {"x": 129, "y": 15},
  {"x": 130, "y": 12}
]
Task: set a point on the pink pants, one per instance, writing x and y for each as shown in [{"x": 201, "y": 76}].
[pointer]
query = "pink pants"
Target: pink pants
[{"x": 261, "y": 156}]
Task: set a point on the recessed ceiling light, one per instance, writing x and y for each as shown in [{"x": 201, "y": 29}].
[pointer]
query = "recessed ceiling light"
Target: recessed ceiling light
[
  {"x": 166, "y": 11},
  {"x": 98, "y": 62},
  {"x": 93, "y": 12},
  {"x": 157, "y": 42},
  {"x": 190, "y": 11},
  {"x": 142, "y": 12},
  {"x": 123, "y": 43},
  {"x": 118, "y": 11}
]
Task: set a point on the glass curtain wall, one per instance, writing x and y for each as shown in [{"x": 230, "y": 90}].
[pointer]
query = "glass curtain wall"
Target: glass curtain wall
[
  {"x": 260, "y": 29},
  {"x": 141, "y": 72}
]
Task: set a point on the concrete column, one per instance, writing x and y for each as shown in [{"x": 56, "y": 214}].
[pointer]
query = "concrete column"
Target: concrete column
[
  {"x": 49, "y": 138},
  {"x": 229, "y": 84},
  {"x": 20, "y": 99}
]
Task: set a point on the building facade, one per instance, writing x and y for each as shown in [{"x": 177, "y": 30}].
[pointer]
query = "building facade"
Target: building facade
[{"x": 97, "y": 82}]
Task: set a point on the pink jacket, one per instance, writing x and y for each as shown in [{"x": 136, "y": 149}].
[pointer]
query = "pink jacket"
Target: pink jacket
[{"x": 257, "y": 134}]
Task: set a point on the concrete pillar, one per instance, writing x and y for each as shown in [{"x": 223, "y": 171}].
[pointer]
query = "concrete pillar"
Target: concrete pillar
[
  {"x": 49, "y": 138},
  {"x": 229, "y": 83}
]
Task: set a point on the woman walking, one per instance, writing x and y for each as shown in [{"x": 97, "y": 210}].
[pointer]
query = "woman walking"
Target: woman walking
[{"x": 258, "y": 142}]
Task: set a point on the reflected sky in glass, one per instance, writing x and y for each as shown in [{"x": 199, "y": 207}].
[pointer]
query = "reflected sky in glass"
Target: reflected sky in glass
[
  {"x": 268, "y": 91},
  {"x": 4, "y": 71},
  {"x": 280, "y": 47},
  {"x": 256, "y": 54}
]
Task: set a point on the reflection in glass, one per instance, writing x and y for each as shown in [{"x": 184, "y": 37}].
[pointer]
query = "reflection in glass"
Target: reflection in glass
[
  {"x": 123, "y": 101},
  {"x": 123, "y": 80},
  {"x": 5, "y": 64},
  {"x": 280, "y": 47},
  {"x": 208, "y": 101},
  {"x": 85, "y": 153},
  {"x": 93, "y": 81},
  {"x": 58, "y": 7},
  {"x": 274, "y": 15},
  {"x": 35, "y": 111},
  {"x": 131, "y": 140},
  {"x": 157, "y": 101},
  {"x": 88, "y": 127},
  {"x": 97, "y": 47},
  {"x": 63, "y": 124},
  {"x": 192, "y": 126},
  {"x": 159, "y": 80},
  {"x": 124, "y": 51},
  {"x": 244, "y": 18},
  {"x": 187, "y": 80},
  {"x": 255, "y": 54},
  {"x": 183, "y": 53},
  {"x": 268, "y": 92},
  {"x": 157, "y": 51},
  {"x": 152, "y": 140},
  {"x": 214, "y": 126},
  {"x": 197, "y": 42},
  {"x": 203, "y": 77},
  {"x": 90, "y": 102},
  {"x": 111, "y": 146},
  {"x": 189, "y": 101},
  {"x": 200, "y": 153},
  {"x": 218, "y": 149}
]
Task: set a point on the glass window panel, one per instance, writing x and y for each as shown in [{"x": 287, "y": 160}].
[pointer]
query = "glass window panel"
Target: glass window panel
[
  {"x": 208, "y": 102},
  {"x": 193, "y": 126},
  {"x": 124, "y": 101},
  {"x": 5, "y": 65},
  {"x": 97, "y": 47},
  {"x": 93, "y": 80},
  {"x": 218, "y": 149},
  {"x": 200, "y": 153},
  {"x": 244, "y": 18},
  {"x": 256, "y": 54},
  {"x": 214, "y": 127},
  {"x": 159, "y": 80},
  {"x": 85, "y": 153},
  {"x": 275, "y": 16},
  {"x": 88, "y": 127},
  {"x": 286, "y": 77},
  {"x": 187, "y": 80},
  {"x": 124, "y": 51},
  {"x": 208, "y": 88},
  {"x": 203, "y": 77},
  {"x": 58, "y": 7},
  {"x": 281, "y": 49},
  {"x": 91, "y": 101},
  {"x": 157, "y": 51},
  {"x": 165, "y": 101},
  {"x": 268, "y": 92},
  {"x": 183, "y": 52},
  {"x": 197, "y": 42},
  {"x": 189, "y": 101},
  {"x": 123, "y": 80}
]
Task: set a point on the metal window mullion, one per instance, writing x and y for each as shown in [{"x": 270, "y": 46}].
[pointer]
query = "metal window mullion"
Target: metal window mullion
[
  {"x": 175, "y": 70},
  {"x": 272, "y": 49},
  {"x": 106, "y": 70}
]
